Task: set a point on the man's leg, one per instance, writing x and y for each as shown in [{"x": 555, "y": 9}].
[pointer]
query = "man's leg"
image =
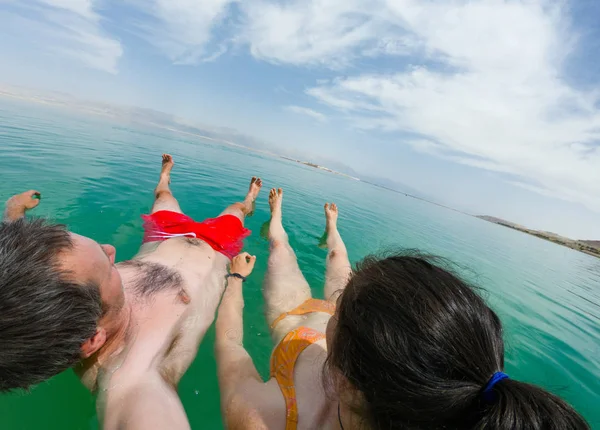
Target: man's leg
[
  {"x": 285, "y": 288},
  {"x": 338, "y": 266},
  {"x": 245, "y": 208},
  {"x": 164, "y": 200}
]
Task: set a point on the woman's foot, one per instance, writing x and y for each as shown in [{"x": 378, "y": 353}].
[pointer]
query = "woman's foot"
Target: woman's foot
[
  {"x": 275, "y": 199},
  {"x": 276, "y": 231},
  {"x": 331, "y": 216}
]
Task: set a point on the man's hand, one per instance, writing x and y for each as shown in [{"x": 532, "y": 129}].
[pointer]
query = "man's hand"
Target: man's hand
[
  {"x": 17, "y": 205},
  {"x": 243, "y": 264}
]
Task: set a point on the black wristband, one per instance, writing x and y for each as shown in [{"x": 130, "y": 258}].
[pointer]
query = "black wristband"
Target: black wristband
[{"x": 236, "y": 275}]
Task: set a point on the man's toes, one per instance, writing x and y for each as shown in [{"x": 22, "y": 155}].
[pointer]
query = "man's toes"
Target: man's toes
[
  {"x": 280, "y": 192},
  {"x": 253, "y": 180},
  {"x": 259, "y": 182}
]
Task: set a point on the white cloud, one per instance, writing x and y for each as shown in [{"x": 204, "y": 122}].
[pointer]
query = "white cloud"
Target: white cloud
[
  {"x": 499, "y": 101},
  {"x": 426, "y": 146},
  {"x": 70, "y": 28},
  {"x": 182, "y": 29},
  {"x": 308, "y": 112},
  {"x": 476, "y": 82},
  {"x": 222, "y": 49},
  {"x": 533, "y": 188},
  {"x": 484, "y": 88},
  {"x": 80, "y": 7},
  {"x": 330, "y": 33},
  {"x": 393, "y": 46}
]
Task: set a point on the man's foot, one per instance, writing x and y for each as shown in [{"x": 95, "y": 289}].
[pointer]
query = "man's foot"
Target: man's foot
[
  {"x": 255, "y": 186},
  {"x": 250, "y": 200},
  {"x": 167, "y": 165},
  {"x": 18, "y": 204},
  {"x": 331, "y": 216},
  {"x": 275, "y": 200}
]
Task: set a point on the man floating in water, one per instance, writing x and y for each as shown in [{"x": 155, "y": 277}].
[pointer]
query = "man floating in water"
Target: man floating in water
[{"x": 130, "y": 329}]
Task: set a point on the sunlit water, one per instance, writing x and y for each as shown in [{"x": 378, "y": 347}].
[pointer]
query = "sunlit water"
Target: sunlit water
[{"x": 97, "y": 176}]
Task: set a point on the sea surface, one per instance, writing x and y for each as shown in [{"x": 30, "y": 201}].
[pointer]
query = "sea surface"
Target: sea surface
[{"x": 97, "y": 174}]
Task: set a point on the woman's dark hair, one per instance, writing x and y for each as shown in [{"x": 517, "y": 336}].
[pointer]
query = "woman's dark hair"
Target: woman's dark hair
[
  {"x": 44, "y": 317},
  {"x": 419, "y": 345}
]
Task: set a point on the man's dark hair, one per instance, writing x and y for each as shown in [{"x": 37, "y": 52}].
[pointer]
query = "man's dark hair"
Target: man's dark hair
[
  {"x": 44, "y": 317},
  {"x": 420, "y": 345}
]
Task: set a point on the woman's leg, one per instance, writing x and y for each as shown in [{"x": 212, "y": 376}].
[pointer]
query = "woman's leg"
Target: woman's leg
[
  {"x": 338, "y": 266},
  {"x": 285, "y": 287}
]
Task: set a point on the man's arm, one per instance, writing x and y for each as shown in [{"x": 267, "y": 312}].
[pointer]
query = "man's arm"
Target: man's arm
[
  {"x": 235, "y": 367},
  {"x": 18, "y": 204}
]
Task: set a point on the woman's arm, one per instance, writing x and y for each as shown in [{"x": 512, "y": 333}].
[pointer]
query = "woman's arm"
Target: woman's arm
[{"x": 234, "y": 364}]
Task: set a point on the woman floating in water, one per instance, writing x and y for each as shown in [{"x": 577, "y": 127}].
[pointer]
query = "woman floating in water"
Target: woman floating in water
[{"x": 400, "y": 344}]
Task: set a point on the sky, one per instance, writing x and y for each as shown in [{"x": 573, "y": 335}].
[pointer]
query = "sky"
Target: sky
[{"x": 490, "y": 106}]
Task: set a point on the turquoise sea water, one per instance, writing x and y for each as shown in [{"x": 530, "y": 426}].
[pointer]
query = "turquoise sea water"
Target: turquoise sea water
[{"x": 97, "y": 175}]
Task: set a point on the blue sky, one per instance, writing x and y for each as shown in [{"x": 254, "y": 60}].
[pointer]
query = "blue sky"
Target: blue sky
[{"x": 490, "y": 106}]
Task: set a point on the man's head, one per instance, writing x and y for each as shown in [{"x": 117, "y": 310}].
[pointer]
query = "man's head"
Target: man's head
[{"x": 60, "y": 295}]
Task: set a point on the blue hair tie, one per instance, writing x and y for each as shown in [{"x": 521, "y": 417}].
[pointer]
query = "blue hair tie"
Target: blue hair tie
[{"x": 488, "y": 393}]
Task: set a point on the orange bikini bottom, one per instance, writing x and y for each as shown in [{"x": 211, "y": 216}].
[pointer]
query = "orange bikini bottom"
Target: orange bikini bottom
[{"x": 289, "y": 349}]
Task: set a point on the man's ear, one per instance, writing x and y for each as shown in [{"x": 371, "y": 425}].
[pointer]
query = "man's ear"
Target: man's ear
[{"x": 94, "y": 343}]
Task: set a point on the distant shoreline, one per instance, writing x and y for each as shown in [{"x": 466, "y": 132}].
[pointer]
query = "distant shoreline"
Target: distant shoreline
[
  {"x": 316, "y": 166},
  {"x": 104, "y": 110},
  {"x": 169, "y": 123},
  {"x": 590, "y": 247},
  {"x": 260, "y": 151}
]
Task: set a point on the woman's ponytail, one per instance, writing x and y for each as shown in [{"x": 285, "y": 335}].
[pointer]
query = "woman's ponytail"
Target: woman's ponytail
[{"x": 511, "y": 404}]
